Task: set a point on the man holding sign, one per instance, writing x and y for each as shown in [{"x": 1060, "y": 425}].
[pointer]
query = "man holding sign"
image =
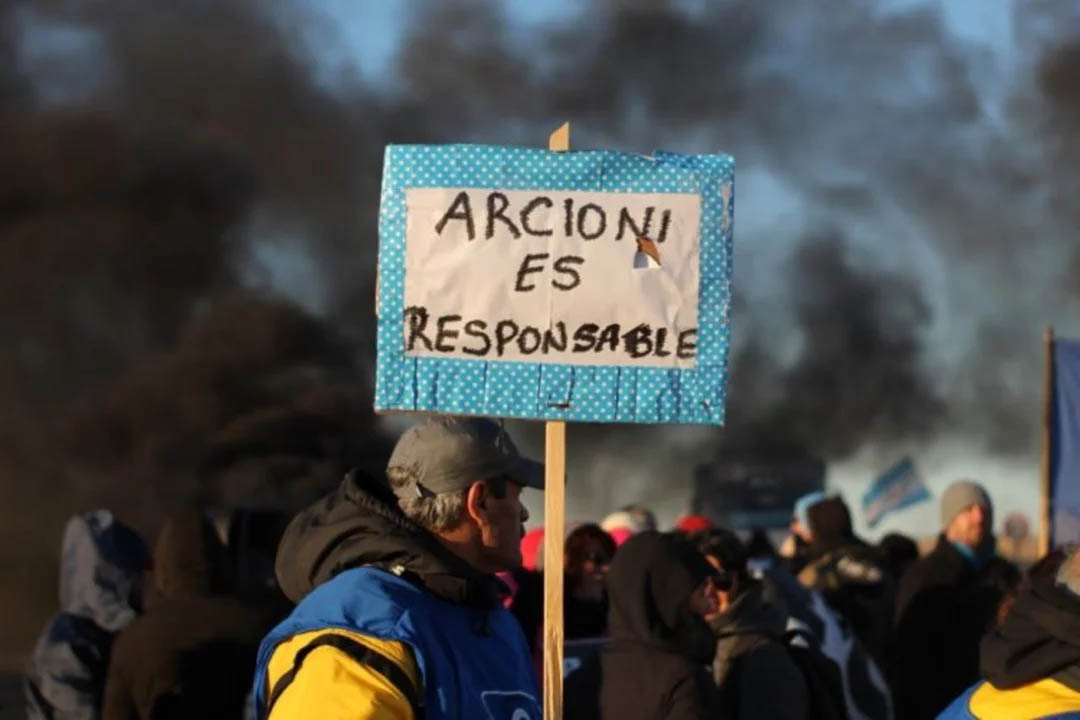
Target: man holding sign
[{"x": 399, "y": 614}]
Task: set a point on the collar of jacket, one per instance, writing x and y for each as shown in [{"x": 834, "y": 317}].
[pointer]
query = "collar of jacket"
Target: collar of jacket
[
  {"x": 750, "y": 614},
  {"x": 360, "y": 525},
  {"x": 952, "y": 556}
]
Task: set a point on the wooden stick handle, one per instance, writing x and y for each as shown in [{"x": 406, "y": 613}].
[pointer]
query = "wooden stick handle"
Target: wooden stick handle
[
  {"x": 554, "y": 531},
  {"x": 1047, "y": 447}
]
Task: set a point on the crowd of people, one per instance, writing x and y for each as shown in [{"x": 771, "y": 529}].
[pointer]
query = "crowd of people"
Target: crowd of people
[{"x": 418, "y": 595}]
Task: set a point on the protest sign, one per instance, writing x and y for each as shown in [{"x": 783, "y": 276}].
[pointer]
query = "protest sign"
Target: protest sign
[{"x": 587, "y": 285}]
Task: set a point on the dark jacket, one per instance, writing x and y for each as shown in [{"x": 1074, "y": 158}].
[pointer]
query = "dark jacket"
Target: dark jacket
[
  {"x": 193, "y": 652},
  {"x": 755, "y": 673},
  {"x": 656, "y": 664},
  {"x": 102, "y": 561},
  {"x": 944, "y": 606},
  {"x": 853, "y": 676},
  {"x": 1032, "y": 662},
  {"x": 851, "y": 575},
  {"x": 584, "y": 619}
]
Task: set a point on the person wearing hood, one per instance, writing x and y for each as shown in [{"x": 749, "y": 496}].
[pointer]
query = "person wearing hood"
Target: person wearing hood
[
  {"x": 656, "y": 665},
  {"x": 850, "y": 574},
  {"x": 947, "y": 600},
  {"x": 191, "y": 654},
  {"x": 102, "y": 564},
  {"x": 1031, "y": 663},
  {"x": 794, "y": 550},
  {"x": 753, "y": 669},
  {"x": 399, "y": 613}
]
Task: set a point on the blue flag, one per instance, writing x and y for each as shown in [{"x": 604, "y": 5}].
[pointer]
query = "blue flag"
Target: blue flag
[
  {"x": 1065, "y": 444},
  {"x": 898, "y": 487}
]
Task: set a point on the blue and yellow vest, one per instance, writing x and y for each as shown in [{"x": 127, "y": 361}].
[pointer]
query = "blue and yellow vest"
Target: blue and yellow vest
[
  {"x": 1045, "y": 699},
  {"x": 471, "y": 663}
]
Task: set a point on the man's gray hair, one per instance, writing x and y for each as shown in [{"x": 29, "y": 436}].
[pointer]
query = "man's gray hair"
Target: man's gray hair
[
  {"x": 435, "y": 513},
  {"x": 1068, "y": 575}
]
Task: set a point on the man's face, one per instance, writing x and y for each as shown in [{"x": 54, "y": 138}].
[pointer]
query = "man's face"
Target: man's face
[
  {"x": 970, "y": 527},
  {"x": 503, "y": 527},
  {"x": 591, "y": 574}
]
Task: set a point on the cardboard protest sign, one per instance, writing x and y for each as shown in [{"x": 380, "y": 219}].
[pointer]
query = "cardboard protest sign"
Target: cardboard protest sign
[{"x": 590, "y": 286}]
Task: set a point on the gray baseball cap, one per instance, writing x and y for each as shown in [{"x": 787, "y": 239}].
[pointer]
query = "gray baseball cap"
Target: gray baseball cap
[{"x": 448, "y": 453}]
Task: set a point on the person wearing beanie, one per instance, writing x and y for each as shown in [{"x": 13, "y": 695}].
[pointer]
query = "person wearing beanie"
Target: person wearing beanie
[
  {"x": 1031, "y": 663},
  {"x": 946, "y": 602}
]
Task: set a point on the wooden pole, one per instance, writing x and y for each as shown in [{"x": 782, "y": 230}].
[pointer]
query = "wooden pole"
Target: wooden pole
[
  {"x": 554, "y": 531},
  {"x": 1047, "y": 448}
]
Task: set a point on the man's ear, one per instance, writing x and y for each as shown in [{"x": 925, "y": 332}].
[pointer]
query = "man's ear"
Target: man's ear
[{"x": 476, "y": 500}]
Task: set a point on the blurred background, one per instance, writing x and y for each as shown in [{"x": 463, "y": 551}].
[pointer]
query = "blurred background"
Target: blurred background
[{"x": 188, "y": 200}]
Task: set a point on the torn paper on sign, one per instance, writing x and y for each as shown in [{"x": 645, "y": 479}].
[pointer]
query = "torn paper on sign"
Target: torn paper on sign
[{"x": 552, "y": 277}]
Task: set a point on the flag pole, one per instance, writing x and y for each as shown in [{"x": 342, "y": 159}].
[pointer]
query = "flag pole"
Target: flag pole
[
  {"x": 1047, "y": 440},
  {"x": 554, "y": 530}
]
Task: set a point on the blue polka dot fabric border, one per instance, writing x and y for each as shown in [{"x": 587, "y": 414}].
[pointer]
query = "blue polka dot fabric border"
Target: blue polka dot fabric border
[{"x": 608, "y": 394}]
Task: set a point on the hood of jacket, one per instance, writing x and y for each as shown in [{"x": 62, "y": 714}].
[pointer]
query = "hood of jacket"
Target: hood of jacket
[
  {"x": 360, "y": 524},
  {"x": 1040, "y": 638},
  {"x": 649, "y": 585},
  {"x": 189, "y": 557},
  {"x": 101, "y": 563},
  {"x": 830, "y": 527}
]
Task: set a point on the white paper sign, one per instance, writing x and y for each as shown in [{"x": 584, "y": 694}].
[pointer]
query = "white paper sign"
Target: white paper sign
[{"x": 552, "y": 277}]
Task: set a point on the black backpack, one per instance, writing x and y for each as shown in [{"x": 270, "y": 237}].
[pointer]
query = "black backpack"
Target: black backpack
[{"x": 824, "y": 687}]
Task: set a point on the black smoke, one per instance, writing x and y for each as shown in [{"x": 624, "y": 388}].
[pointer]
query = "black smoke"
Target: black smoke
[{"x": 143, "y": 169}]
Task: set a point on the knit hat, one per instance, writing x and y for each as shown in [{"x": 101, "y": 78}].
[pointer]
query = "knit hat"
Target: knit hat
[
  {"x": 960, "y": 496},
  {"x": 624, "y": 519},
  {"x": 690, "y": 524}
]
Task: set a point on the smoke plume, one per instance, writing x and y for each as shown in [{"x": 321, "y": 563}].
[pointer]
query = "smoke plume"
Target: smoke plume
[{"x": 905, "y": 227}]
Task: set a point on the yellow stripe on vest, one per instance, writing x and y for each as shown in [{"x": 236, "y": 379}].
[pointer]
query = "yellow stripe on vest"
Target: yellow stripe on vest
[
  {"x": 1044, "y": 698},
  {"x": 331, "y": 685}
]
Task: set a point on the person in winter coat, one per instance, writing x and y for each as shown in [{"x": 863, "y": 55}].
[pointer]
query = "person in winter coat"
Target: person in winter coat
[
  {"x": 589, "y": 552},
  {"x": 947, "y": 600},
  {"x": 753, "y": 669},
  {"x": 899, "y": 552},
  {"x": 852, "y": 675},
  {"x": 191, "y": 654},
  {"x": 1031, "y": 664},
  {"x": 102, "y": 564},
  {"x": 400, "y": 615},
  {"x": 850, "y": 574},
  {"x": 656, "y": 665}
]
